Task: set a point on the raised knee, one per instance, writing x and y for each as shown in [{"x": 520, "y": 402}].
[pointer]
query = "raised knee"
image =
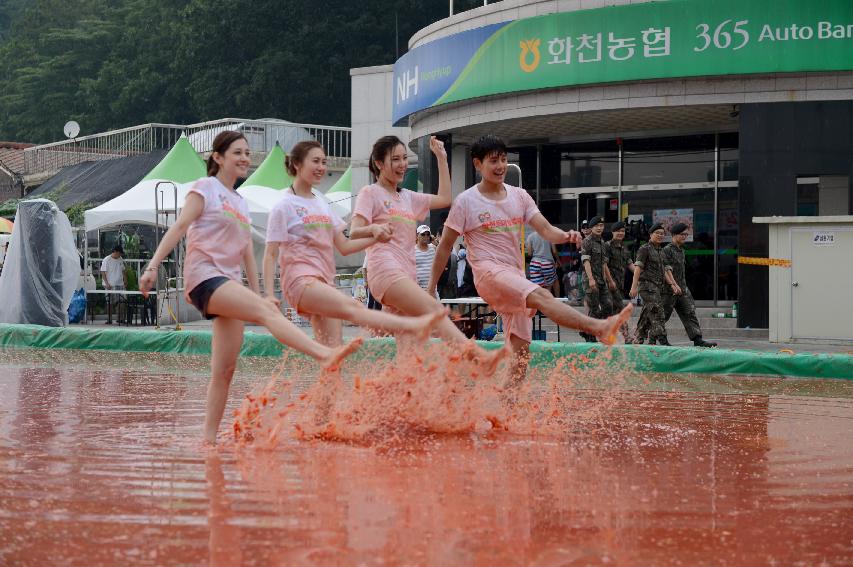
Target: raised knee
[
  {"x": 351, "y": 310},
  {"x": 267, "y": 313},
  {"x": 537, "y": 297}
]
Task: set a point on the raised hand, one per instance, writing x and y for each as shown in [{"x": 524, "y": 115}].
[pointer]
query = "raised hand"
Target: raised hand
[{"x": 437, "y": 147}]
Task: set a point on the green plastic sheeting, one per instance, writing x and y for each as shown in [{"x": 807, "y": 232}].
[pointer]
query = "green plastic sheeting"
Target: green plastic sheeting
[
  {"x": 643, "y": 358},
  {"x": 181, "y": 165},
  {"x": 271, "y": 173}
]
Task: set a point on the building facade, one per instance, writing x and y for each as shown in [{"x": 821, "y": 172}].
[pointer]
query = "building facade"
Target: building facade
[{"x": 708, "y": 112}]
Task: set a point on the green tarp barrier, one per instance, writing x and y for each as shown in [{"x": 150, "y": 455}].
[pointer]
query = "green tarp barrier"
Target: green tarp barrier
[{"x": 640, "y": 357}]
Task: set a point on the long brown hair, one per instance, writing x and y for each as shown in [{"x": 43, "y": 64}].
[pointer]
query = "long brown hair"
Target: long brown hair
[
  {"x": 298, "y": 154},
  {"x": 221, "y": 143},
  {"x": 383, "y": 146}
]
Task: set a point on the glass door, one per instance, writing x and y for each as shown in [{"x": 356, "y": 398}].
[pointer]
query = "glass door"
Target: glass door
[{"x": 693, "y": 206}]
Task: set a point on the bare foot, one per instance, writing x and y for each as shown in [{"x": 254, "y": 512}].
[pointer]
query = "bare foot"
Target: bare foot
[
  {"x": 488, "y": 359},
  {"x": 332, "y": 363},
  {"x": 610, "y": 330},
  {"x": 422, "y": 326}
]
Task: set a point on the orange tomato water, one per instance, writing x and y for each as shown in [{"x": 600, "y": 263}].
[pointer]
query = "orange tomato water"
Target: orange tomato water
[{"x": 100, "y": 464}]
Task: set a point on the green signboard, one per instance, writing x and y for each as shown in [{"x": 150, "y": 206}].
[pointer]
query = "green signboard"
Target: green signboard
[{"x": 654, "y": 40}]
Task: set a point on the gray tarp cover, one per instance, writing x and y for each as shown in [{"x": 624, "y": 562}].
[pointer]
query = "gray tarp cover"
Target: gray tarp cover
[
  {"x": 96, "y": 182},
  {"x": 42, "y": 267}
]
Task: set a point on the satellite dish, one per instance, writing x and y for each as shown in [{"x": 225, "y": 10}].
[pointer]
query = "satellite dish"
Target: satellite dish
[{"x": 71, "y": 129}]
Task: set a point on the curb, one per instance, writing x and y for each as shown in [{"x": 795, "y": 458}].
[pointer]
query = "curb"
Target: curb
[{"x": 643, "y": 358}]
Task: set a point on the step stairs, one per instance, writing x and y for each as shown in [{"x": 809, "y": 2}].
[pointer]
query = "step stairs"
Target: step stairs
[{"x": 712, "y": 327}]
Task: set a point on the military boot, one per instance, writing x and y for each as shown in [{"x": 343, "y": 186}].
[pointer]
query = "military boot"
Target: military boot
[
  {"x": 663, "y": 341},
  {"x": 700, "y": 342}
]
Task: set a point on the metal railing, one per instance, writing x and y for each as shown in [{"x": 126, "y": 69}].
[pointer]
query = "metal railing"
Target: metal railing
[{"x": 262, "y": 136}]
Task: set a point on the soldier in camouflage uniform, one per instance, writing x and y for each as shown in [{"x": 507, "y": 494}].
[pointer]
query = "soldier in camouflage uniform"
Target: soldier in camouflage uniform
[
  {"x": 618, "y": 261},
  {"x": 596, "y": 274},
  {"x": 649, "y": 279},
  {"x": 679, "y": 297}
]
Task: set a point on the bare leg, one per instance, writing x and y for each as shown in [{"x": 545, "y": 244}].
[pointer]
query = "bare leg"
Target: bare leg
[
  {"x": 325, "y": 302},
  {"x": 407, "y": 297},
  {"x": 555, "y": 288},
  {"x": 327, "y": 329},
  {"x": 566, "y": 316},
  {"x": 227, "y": 340},
  {"x": 518, "y": 362},
  {"x": 237, "y": 302}
]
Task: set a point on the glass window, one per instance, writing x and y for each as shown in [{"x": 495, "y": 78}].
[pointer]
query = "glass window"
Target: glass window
[
  {"x": 727, "y": 245},
  {"x": 593, "y": 164},
  {"x": 807, "y": 199},
  {"x": 693, "y": 206},
  {"x": 729, "y": 156},
  {"x": 603, "y": 204},
  {"x": 653, "y": 161},
  {"x": 562, "y": 213},
  {"x": 524, "y": 158},
  {"x": 823, "y": 195}
]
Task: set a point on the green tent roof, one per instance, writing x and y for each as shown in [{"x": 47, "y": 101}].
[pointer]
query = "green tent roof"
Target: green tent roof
[
  {"x": 271, "y": 173},
  {"x": 182, "y": 164},
  {"x": 344, "y": 184}
]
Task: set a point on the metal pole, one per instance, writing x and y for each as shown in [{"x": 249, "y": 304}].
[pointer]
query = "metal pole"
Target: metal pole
[
  {"x": 538, "y": 172},
  {"x": 156, "y": 246},
  {"x": 179, "y": 271},
  {"x": 619, "y": 186},
  {"x": 716, "y": 212},
  {"x": 158, "y": 193}
]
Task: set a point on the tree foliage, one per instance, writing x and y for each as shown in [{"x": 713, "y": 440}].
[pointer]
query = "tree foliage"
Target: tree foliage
[{"x": 116, "y": 63}]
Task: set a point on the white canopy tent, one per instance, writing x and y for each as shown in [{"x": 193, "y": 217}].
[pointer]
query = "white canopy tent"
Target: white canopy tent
[
  {"x": 264, "y": 188},
  {"x": 340, "y": 195},
  {"x": 181, "y": 167}
]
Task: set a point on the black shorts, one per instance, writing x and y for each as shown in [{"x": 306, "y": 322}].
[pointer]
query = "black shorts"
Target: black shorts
[{"x": 200, "y": 294}]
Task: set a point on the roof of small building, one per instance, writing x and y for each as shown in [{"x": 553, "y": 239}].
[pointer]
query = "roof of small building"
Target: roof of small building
[{"x": 12, "y": 157}]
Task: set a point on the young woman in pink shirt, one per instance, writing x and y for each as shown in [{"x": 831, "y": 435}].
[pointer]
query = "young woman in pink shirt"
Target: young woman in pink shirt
[
  {"x": 384, "y": 207},
  {"x": 215, "y": 219},
  {"x": 491, "y": 215},
  {"x": 302, "y": 234}
]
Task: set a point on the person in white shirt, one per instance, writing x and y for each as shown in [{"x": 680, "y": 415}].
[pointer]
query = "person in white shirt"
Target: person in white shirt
[
  {"x": 424, "y": 255},
  {"x": 112, "y": 273}
]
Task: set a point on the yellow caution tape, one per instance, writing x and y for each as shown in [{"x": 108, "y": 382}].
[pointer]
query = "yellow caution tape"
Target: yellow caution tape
[{"x": 779, "y": 262}]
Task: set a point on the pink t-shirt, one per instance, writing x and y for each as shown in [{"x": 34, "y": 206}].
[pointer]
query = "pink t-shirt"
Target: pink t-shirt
[
  {"x": 217, "y": 238},
  {"x": 493, "y": 232},
  {"x": 403, "y": 211},
  {"x": 305, "y": 229}
]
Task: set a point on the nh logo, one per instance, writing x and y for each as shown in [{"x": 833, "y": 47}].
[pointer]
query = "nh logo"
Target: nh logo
[{"x": 405, "y": 83}]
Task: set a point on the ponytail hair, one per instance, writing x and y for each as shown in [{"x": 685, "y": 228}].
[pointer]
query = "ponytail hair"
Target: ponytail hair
[
  {"x": 298, "y": 154},
  {"x": 221, "y": 143}
]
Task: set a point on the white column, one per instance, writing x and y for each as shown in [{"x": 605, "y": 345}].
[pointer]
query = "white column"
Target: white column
[{"x": 458, "y": 167}]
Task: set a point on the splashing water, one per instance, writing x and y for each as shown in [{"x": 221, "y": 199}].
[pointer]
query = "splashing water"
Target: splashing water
[{"x": 436, "y": 391}]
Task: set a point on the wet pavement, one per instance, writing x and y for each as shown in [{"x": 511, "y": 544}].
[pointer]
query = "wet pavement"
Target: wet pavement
[{"x": 100, "y": 464}]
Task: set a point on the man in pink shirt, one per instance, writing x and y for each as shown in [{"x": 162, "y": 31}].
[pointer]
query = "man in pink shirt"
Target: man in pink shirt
[{"x": 491, "y": 215}]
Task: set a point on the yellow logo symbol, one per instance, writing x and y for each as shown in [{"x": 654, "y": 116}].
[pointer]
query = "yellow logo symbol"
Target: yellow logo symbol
[{"x": 529, "y": 46}]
